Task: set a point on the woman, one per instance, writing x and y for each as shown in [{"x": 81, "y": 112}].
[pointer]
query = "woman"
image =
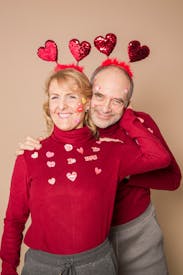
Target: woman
[{"x": 68, "y": 188}]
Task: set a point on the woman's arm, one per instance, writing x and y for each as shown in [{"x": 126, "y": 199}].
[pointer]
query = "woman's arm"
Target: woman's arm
[{"x": 16, "y": 216}]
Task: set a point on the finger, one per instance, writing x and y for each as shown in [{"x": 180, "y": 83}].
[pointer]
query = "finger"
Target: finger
[
  {"x": 19, "y": 152},
  {"x": 40, "y": 138},
  {"x": 30, "y": 140}
]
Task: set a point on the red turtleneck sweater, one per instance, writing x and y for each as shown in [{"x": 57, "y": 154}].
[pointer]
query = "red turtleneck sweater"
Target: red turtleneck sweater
[
  {"x": 68, "y": 187},
  {"x": 133, "y": 197}
]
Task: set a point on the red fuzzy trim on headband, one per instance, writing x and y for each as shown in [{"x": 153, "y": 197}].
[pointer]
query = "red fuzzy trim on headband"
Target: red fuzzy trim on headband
[
  {"x": 117, "y": 63},
  {"x": 69, "y": 66}
]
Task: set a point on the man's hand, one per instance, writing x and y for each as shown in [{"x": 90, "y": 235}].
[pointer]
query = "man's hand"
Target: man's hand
[{"x": 29, "y": 144}]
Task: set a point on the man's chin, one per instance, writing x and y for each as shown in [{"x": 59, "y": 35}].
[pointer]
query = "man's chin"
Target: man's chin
[{"x": 102, "y": 124}]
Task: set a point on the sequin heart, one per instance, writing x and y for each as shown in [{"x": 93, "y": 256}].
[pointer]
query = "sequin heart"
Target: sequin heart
[
  {"x": 51, "y": 164},
  {"x": 71, "y": 160},
  {"x": 50, "y": 154},
  {"x": 137, "y": 52},
  {"x": 97, "y": 170},
  {"x": 107, "y": 44},
  {"x": 51, "y": 181},
  {"x": 68, "y": 147},
  {"x": 34, "y": 155},
  {"x": 71, "y": 176},
  {"x": 49, "y": 52},
  {"x": 80, "y": 150},
  {"x": 79, "y": 50}
]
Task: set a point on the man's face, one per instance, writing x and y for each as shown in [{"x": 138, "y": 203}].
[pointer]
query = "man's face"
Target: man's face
[{"x": 110, "y": 90}]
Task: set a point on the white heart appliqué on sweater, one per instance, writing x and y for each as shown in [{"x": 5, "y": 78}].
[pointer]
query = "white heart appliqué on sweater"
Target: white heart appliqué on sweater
[{"x": 71, "y": 176}]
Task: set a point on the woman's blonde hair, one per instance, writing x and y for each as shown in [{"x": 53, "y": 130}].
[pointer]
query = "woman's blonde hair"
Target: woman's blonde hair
[{"x": 77, "y": 81}]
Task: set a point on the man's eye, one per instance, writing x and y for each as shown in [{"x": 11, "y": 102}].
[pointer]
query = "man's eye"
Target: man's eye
[{"x": 117, "y": 102}]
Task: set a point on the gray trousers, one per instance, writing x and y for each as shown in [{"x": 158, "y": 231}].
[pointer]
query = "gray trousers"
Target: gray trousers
[
  {"x": 98, "y": 261},
  {"x": 138, "y": 245}
]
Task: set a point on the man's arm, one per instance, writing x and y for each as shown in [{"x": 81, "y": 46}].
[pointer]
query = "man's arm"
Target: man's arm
[{"x": 163, "y": 179}]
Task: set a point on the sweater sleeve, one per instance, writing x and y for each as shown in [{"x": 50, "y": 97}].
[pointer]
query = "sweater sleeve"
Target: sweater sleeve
[
  {"x": 163, "y": 179},
  {"x": 148, "y": 154},
  {"x": 16, "y": 216}
]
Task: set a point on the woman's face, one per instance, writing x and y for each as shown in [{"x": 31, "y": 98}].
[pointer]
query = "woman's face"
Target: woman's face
[{"x": 67, "y": 106}]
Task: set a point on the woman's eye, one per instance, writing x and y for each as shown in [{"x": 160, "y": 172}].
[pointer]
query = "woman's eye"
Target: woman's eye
[
  {"x": 53, "y": 97},
  {"x": 73, "y": 97},
  {"x": 98, "y": 95}
]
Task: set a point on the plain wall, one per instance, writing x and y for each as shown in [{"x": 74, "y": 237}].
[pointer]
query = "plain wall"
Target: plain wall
[{"x": 26, "y": 25}]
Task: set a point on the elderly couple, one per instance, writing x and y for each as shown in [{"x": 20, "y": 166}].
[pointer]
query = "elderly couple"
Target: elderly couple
[{"x": 87, "y": 185}]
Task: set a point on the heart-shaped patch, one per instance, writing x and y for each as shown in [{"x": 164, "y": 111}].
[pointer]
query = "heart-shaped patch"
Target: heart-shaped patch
[
  {"x": 95, "y": 149},
  {"x": 97, "y": 170},
  {"x": 79, "y": 50},
  {"x": 136, "y": 52},
  {"x": 51, "y": 164},
  {"x": 68, "y": 147},
  {"x": 71, "y": 160},
  {"x": 71, "y": 176},
  {"x": 51, "y": 181},
  {"x": 107, "y": 44},
  {"x": 49, "y": 52},
  {"x": 34, "y": 155},
  {"x": 50, "y": 154},
  {"x": 80, "y": 150}
]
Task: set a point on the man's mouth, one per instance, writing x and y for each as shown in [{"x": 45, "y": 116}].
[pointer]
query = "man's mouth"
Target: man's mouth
[{"x": 103, "y": 116}]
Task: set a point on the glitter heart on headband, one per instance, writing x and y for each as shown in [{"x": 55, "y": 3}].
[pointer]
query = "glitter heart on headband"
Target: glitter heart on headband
[
  {"x": 136, "y": 52},
  {"x": 79, "y": 50},
  {"x": 107, "y": 44},
  {"x": 50, "y": 53}
]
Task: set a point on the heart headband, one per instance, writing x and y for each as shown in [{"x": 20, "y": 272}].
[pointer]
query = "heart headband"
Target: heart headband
[
  {"x": 136, "y": 52},
  {"x": 105, "y": 45},
  {"x": 49, "y": 52}
]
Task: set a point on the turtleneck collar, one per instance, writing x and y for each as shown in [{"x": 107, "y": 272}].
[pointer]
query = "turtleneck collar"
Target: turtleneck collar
[
  {"x": 109, "y": 130},
  {"x": 76, "y": 136}
]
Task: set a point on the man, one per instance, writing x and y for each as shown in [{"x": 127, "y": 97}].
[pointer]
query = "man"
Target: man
[{"x": 135, "y": 233}]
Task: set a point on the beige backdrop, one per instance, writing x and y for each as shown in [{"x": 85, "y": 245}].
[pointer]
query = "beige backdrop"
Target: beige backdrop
[{"x": 26, "y": 25}]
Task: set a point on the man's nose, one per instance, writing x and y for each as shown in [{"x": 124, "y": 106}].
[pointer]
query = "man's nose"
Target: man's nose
[{"x": 106, "y": 106}]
